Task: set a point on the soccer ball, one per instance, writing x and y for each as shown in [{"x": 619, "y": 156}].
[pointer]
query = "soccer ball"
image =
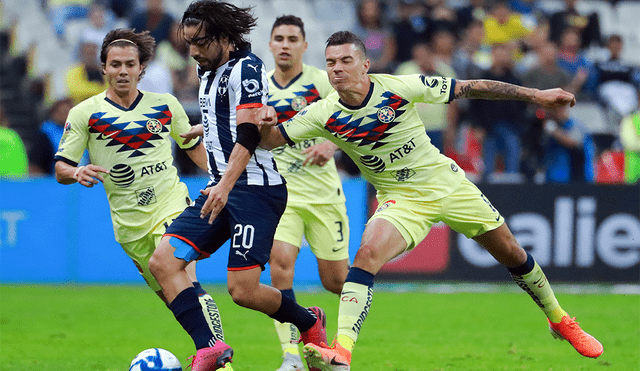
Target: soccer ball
[{"x": 155, "y": 359}]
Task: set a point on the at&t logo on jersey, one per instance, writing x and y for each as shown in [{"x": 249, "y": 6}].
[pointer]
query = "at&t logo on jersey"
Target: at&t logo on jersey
[
  {"x": 386, "y": 114},
  {"x": 122, "y": 175},
  {"x": 374, "y": 163}
]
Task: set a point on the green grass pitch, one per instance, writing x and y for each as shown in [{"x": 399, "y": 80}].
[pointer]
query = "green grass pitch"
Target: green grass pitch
[{"x": 78, "y": 327}]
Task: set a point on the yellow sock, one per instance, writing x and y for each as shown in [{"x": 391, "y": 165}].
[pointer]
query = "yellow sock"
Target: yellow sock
[
  {"x": 288, "y": 336},
  {"x": 346, "y": 342},
  {"x": 536, "y": 285},
  {"x": 355, "y": 302}
]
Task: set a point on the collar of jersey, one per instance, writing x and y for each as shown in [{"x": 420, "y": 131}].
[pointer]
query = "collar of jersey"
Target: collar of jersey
[
  {"x": 133, "y": 105},
  {"x": 364, "y": 102},
  {"x": 273, "y": 79}
]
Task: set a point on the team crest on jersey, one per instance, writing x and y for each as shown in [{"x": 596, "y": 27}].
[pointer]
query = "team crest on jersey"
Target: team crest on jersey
[
  {"x": 154, "y": 126},
  {"x": 385, "y": 205},
  {"x": 386, "y": 114},
  {"x": 298, "y": 103},
  {"x": 222, "y": 85}
]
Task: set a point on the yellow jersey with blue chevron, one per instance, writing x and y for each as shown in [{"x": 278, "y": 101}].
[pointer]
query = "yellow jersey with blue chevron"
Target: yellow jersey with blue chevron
[
  {"x": 384, "y": 135},
  {"x": 143, "y": 186},
  {"x": 309, "y": 183}
]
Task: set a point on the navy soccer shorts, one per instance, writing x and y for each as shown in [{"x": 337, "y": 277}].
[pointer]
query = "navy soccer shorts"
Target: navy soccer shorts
[{"x": 249, "y": 220}]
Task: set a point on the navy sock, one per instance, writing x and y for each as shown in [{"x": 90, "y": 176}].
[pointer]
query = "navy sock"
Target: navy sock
[
  {"x": 199, "y": 290},
  {"x": 357, "y": 275},
  {"x": 524, "y": 268},
  {"x": 291, "y": 312},
  {"x": 187, "y": 310},
  {"x": 289, "y": 293}
]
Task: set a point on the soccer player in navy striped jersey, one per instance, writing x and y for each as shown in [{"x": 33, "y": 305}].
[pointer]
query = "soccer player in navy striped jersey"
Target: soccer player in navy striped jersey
[
  {"x": 316, "y": 203},
  {"x": 372, "y": 118},
  {"x": 245, "y": 196}
]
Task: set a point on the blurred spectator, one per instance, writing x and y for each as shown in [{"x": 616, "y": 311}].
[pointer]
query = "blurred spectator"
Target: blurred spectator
[
  {"x": 443, "y": 44},
  {"x": 48, "y": 138},
  {"x": 85, "y": 79},
  {"x": 630, "y": 140},
  {"x": 533, "y": 43},
  {"x": 618, "y": 83},
  {"x": 154, "y": 19},
  {"x": 13, "y": 155},
  {"x": 97, "y": 25},
  {"x": 498, "y": 122},
  {"x": 62, "y": 11},
  {"x": 546, "y": 74},
  {"x": 439, "y": 120},
  {"x": 503, "y": 26},
  {"x": 157, "y": 77},
  {"x": 472, "y": 55},
  {"x": 122, "y": 8},
  {"x": 576, "y": 64},
  {"x": 569, "y": 152},
  {"x": 477, "y": 10},
  {"x": 377, "y": 37},
  {"x": 587, "y": 26},
  {"x": 442, "y": 16},
  {"x": 412, "y": 26},
  {"x": 530, "y": 10},
  {"x": 174, "y": 53}
]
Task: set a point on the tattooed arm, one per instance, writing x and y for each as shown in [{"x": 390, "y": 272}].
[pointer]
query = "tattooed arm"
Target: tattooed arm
[{"x": 496, "y": 90}]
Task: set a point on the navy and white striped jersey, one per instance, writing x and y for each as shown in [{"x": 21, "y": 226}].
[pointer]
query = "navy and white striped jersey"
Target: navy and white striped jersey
[{"x": 239, "y": 83}]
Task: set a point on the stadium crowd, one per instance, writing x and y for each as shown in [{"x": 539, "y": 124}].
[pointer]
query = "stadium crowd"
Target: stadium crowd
[{"x": 48, "y": 64}]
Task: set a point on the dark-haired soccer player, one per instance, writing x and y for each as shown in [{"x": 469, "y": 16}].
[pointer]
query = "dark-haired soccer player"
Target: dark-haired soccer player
[
  {"x": 127, "y": 133},
  {"x": 371, "y": 117},
  {"x": 245, "y": 196},
  {"x": 316, "y": 203}
]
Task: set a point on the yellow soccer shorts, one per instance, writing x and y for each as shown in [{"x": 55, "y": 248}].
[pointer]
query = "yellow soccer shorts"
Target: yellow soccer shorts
[
  {"x": 325, "y": 226},
  {"x": 466, "y": 211},
  {"x": 140, "y": 250}
]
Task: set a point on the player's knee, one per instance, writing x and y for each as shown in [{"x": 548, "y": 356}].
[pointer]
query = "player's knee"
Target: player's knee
[
  {"x": 240, "y": 295},
  {"x": 333, "y": 284}
]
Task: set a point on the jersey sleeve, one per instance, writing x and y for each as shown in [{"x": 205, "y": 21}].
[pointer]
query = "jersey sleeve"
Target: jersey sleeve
[
  {"x": 307, "y": 124},
  {"x": 251, "y": 85},
  {"x": 74, "y": 138},
  {"x": 179, "y": 123},
  {"x": 431, "y": 89}
]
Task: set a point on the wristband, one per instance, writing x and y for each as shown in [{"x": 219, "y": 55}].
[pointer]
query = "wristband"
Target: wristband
[
  {"x": 75, "y": 175},
  {"x": 248, "y": 136}
]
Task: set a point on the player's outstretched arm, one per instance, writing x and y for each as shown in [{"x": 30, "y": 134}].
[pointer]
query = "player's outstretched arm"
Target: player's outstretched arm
[
  {"x": 194, "y": 132},
  {"x": 497, "y": 90},
  {"x": 199, "y": 156},
  {"x": 319, "y": 154},
  {"x": 88, "y": 175}
]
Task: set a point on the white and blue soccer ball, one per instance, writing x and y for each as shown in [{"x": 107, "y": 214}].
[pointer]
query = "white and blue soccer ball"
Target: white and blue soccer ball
[{"x": 155, "y": 359}]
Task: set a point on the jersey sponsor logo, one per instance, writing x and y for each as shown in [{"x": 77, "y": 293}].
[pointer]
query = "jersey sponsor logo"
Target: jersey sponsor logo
[
  {"x": 386, "y": 205},
  {"x": 152, "y": 169},
  {"x": 131, "y": 136},
  {"x": 432, "y": 83},
  {"x": 154, "y": 126},
  {"x": 146, "y": 196},
  {"x": 386, "y": 114},
  {"x": 403, "y": 174},
  {"x": 375, "y": 163},
  {"x": 295, "y": 166},
  {"x": 67, "y": 127},
  {"x": 122, "y": 175},
  {"x": 399, "y": 153},
  {"x": 251, "y": 86},
  {"x": 368, "y": 129},
  {"x": 445, "y": 86}
]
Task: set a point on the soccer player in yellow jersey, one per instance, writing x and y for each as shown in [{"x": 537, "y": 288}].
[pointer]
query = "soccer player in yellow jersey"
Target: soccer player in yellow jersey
[
  {"x": 127, "y": 134},
  {"x": 372, "y": 118},
  {"x": 316, "y": 203}
]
